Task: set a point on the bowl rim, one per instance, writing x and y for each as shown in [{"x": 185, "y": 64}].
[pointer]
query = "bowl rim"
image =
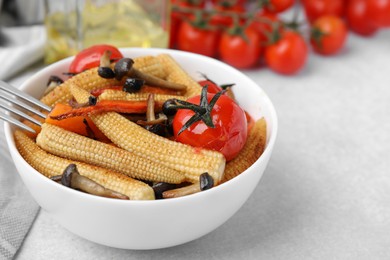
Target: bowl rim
[{"x": 271, "y": 138}]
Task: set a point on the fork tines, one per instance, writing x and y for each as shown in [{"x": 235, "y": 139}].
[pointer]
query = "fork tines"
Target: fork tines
[{"x": 10, "y": 96}]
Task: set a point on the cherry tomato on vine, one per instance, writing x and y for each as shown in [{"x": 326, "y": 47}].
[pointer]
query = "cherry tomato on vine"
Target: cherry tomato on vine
[
  {"x": 174, "y": 28},
  {"x": 317, "y": 8},
  {"x": 211, "y": 86},
  {"x": 229, "y": 3},
  {"x": 198, "y": 40},
  {"x": 378, "y": 12},
  {"x": 328, "y": 34},
  {"x": 357, "y": 18},
  {"x": 189, "y": 3},
  {"x": 277, "y": 6},
  {"x": 224, "y": 14},
  {"x": 263, "y": 23},
  {"x": 241, "y": 51},
  {"x": 229, "y": 134},
  {"x": 287, "y": 55},
  {"x": 90, "y": 57}
]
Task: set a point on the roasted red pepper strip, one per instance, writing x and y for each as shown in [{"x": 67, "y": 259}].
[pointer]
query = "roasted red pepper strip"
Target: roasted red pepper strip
[{"x": 120, "y": 106}]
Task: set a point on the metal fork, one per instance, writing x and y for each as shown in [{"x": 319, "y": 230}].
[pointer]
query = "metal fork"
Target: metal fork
[{"x": 10, "y": 95}]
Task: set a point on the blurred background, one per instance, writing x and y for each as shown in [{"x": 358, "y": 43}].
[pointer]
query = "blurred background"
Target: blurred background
[
  {"x": 246, "y": 34},
  {"x": 55, "y": 29}
]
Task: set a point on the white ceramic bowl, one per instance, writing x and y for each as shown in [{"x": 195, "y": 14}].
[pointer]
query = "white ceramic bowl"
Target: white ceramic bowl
[{"x": 151, "y": 224}]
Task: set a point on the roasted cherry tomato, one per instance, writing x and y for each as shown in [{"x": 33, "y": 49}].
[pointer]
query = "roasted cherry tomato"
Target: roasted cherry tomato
[
  {"x": 277, "y": 6},
  {"x": 358, "y": 19},
  {"x": 229, "y": 134},
  {"x": 90, "y": 57},
  {"x": 241, "y": 51},
  {"x": 198, "y": 40},
  {"x": 378, "y": 12},
  {"x": 288, "y": 55},
  {"x": 211, "y": 86},
  {"x": 328, "y": 34},
  {"x": 316, "y": 8}
]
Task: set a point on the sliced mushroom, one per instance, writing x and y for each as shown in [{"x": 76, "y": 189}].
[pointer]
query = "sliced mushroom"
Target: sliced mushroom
[
  {"x": 72, "y": 178},
  {"x": 124, "y": 67},
  {"x": 156, "y": 126},
  {"x": 104, "y": 69},
  {"x": 155, "y": 81},
  {"x": 205, "y": 182},
  {"x": 52, "y": 83},
  {"x": 133, "y": 85},
  {"x": 160, "y": 187}
]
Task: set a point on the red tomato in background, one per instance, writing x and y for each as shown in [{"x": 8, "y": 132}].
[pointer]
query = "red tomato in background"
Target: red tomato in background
[
  {"x": 229, "y": 3},
  {"x": 316, "y": 8},
  {"x": 263, "y": 23},
  {"x": 174, "y": 28},
  {"x": 90, "y": 57},
  {"x": 197, "y": 40},
  {"x": 221, "y": 19},
  {"x": 334, "y": 34},
  {"x": 288, "y": 55},
  {"x": 229, "y": 134},
  {"x": 277, "y": 6},
  {"x": 189, "y": 3},
  {"x": 378, "y": 12},
  {"x": 177, "y": 16},
  {"x": 357, "y": 18},
  {"x": 241, "y": 52}
]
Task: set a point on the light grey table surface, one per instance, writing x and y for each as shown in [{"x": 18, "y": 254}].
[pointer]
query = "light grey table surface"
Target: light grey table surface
[{"x": 326, "y": 191}]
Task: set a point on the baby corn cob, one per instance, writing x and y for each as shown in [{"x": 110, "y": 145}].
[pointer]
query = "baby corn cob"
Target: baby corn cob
[
  {"x": 63, "y": 143},
  {"x": 50, "y": 165},
  {"x": 150, "y": 65},
  {"x": 176, "y": 74},
  {"x": 81, "y": 95},
  {"x": 183, "y": 158},
  {"x": 121, "y": 95},
  {"x": 252, "y": 150},
  {"x": 87, "y": 80}
]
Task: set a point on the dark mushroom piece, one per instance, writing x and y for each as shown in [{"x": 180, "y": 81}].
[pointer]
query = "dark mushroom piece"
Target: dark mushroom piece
[
  {"x": 56, "y": 178},
  {"x": 152, "y": 124},
  {"x": 124, "y": 67},
  {"x": 52, "y": 83},
  {"x": 205, "y": 182},
  {"x": 72, "y": 178},
  {"x": 133, "y": 85},
  {"x": 160, "y": 187},
  {"x": 104, "y": 69},
  {"x": 92, "y": 101}
]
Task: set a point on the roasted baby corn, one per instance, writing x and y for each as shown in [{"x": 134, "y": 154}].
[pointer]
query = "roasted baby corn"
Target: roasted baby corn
[
  {"x": 50, "y": 165},
  {"x": 150, "y": 65},
  {"x": 81, "y": 95},
  {"x": 252, "y": 150},
  {"x": 87, "y": 80},
  {"x": 176, "y": 74},
  {"x": 183, "y": 158},
  {"x": 121, "y": 95},
  {"x": 63, "y": 143}
]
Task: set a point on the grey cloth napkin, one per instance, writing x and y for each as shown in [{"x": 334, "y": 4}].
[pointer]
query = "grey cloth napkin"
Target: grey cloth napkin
[
  {"x": 17, "y": 208},
  {"x": 25, "y": 46}
]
